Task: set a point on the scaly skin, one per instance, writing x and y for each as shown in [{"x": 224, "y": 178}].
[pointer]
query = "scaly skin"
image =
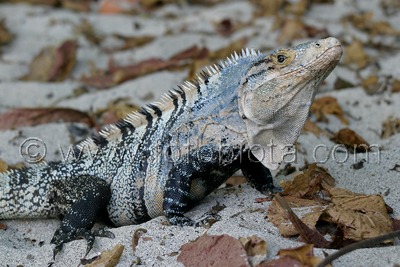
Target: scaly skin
[{"x": 242, "y": 114}]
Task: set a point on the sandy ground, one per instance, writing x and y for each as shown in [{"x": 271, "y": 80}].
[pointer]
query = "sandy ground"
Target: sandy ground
[{"x": 26, "y": 243}]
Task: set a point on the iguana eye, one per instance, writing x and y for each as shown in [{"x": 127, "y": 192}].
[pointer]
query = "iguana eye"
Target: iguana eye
[{"x": 281, "y": 58}]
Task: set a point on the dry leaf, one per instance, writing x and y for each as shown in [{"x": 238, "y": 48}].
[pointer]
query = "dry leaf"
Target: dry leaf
[
  {"x": 117, "y": 6},
  {"x": 86, "y": 29},
  {"x": 354, "y": 55},
  {"x": 135, "y": 238},
  {"x": 284, "y": 261},
  {"x": 297, "y": 8},
  {"x": 269, "y": 7},
  {"x": 313, "y": 128},
  {"x": 77, "y": 5},
  {"x": 3, "y": 166},
  {"x": 359, "y": 216},
  {"x": 131, "y": 42},
  {"x": 390, "y": 127},
  {"x": 222, "y": 250},
  {"x": 309, "y": 235},
  {"x": 108, "y": 258},
  {"x": 254, "y": 245},
  {"x": 395, "y": 86},
  {"x": 52, "y": 64},
  {"x": 291, "y": 29},
  {"x": 364, "y": 22},
  {"x": 327, "y": 105},
  {"x": 352, "y": 140},
  {"x": 303, "y": 254},
  {"x": 3, "y": 226},
  {"x": 5, "y": 36},
  {"x": 225, "y": 27},
  {"x": 22, "y": 117}
]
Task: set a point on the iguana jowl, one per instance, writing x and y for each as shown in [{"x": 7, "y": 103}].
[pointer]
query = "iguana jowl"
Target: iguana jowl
[{"x": 241, "y": 114}]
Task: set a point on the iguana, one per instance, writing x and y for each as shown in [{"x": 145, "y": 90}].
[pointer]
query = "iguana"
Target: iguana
[{"x": 243, "y": 113}]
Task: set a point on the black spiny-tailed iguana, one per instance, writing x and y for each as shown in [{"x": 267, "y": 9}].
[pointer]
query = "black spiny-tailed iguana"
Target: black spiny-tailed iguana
[{"x": 241, "y": 114}]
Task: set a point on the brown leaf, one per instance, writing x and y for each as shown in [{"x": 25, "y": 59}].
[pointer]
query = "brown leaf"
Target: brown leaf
[
  {"x": 225, "y": 27},
  {"x": 119, "y": 74},
  {"x": 220, "y": 250},
  {"x": 5, "y": 35},
  {"x": 354, "y": 55},
  {"x": 291, "y": 29},
  {"x": 3, "y": 166},
  {"x": 364, "y": 22},
  {"x": 269, "y": 7},
  {"x": 396, "y": 224},
  {"x": 390, "y": 127},
  {"x": 327, "y": 105},
  {"x": 306, "y": 183},
  {"x": 21, "y": 117},
  {"x": 64, "y": 62},
  {"x": 278, "y": 216},
  {"x": 3, "y": 226},
  {"x": 86, "y": 29},
  {"x": 52, "y": 64},
  {"x": 395, "y": 86},
  {"x": 351, "y": 139},
  {"x": 108, "y": 258},
  {"x": 77, "y": 5},
  {"x": 303, "y": 254},
  {"x": 136, "y": 236},
  {"x": 254, "y": 245},
  {"x": 297, "y": 8},
  {"x": 309, "y": 235},
  {"x": 359, "y": 216},
  {"x": 313, "y": 128},
  {"x": 284, "y": 261},
  {"x": 131, "y": 42}
]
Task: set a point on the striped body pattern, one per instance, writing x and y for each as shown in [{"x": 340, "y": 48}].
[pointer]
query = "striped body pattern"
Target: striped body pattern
[{"x": 166, "y": 157}]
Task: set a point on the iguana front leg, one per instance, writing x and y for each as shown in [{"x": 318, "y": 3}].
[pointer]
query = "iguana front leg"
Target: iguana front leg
[
  {"x": 256, "y": 173},
  {"x": 176, "y": 193},
  {"x": 87, "y": 197}
]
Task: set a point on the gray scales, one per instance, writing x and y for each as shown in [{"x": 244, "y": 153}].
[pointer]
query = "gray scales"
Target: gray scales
[{"x": 243, "y": 113}]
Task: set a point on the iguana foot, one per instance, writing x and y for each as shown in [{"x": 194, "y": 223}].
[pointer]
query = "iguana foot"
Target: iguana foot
[{"x": 60, "y": 238}]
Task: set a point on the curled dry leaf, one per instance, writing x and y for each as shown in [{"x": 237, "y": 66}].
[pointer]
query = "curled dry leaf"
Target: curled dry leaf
[
  {"x": 77, "y": 5},
  {"x": 364, "y": 22},
  {"x": 352, "y": 140},
  {"x": 52, "y": 64},
  {"x": 327, "y": 105},
  {"x": 303, "y": 254},
  {"x": 390, "y": 126},
  {"x": 313, "y": 128},
  {"x": 255, "y": 247},
  {"x": 5, "y": 35},
  {"x": 119, "y": 74},
  {"x": 21, "y": 117},
  {"x": 108, "y": 258},
  {"x": 222, "y": 250},
  {"x": 355, "y": 57},
  {"x": 135, "y": 238},
  {"x": 359, "y": 216},
  {"x": 395, "y": 85},
  {"x": 284, "y": 261},
  {"x": 131, "y": 42},
  {"x": 3, "y": 166}
]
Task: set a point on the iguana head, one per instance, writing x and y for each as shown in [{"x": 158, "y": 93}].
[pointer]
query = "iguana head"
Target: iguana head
[{"x": 277, "y": 92}]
